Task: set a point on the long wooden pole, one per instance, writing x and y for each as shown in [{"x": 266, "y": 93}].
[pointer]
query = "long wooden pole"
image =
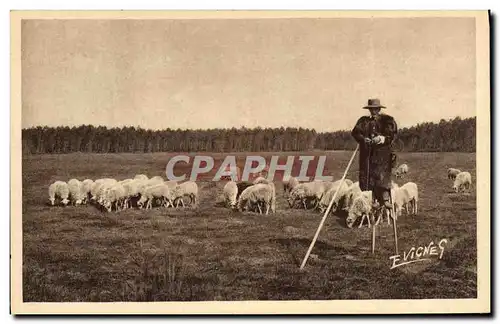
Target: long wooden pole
[{"x": 327, "y": 211}]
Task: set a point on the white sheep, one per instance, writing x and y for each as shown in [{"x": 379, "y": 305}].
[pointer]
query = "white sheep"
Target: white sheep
[
  {"x": 133, "y": 189},
  {"x": 59, "y": 189},
  {"x": 114, "y": 196},
  {"x": 401, "y": 199},
  {"x": 230, "y": 191},
  {"x": 462, "y": 182},
  {"x": 401, "y": 170},
  {"x": 307, "y": 191},
  {"x": 102, "y": 188},
  {"x": 412, "y": 190},
  {"x": 339, "y": 198},
  {"x": 262, "y": 195},
  {"x": 77, "y": 193},
  {"x": 94, "y": 190},
  {"x": 353, "y": 191},
  {"x": 158, "y": 191},
  {"x": 361, "y": 207},
  {"x": 452, "y": 173},
  {"x": 289, "y": 184},
  {"x": 188, "y": 188},
  {"x": 87, "y": 186}
]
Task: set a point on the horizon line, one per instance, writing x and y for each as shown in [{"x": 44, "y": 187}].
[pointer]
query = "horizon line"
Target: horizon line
[{"x": 228, "y": 128}]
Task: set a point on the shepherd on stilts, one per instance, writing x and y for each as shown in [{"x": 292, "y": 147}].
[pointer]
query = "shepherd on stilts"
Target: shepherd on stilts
[{"x": 375, "y": 135}]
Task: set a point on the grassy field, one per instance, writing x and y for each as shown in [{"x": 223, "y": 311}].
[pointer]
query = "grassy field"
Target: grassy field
[{"x": 76, "y": 254}]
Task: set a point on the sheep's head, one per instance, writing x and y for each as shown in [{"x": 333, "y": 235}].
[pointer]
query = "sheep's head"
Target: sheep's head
[
  {"x": 351, "y": 218},
  {"x": 78, "y": 202},
  {"x": 52, "y": 201},
  {"x": 455, "y": 187},
  {"x": 65, "y": 201}
]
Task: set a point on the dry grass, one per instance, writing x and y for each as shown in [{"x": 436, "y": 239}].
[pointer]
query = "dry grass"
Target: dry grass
[{"x": 212, "y": 253}]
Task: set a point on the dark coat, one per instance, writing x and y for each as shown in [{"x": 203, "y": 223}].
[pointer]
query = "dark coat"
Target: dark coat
[{"x": 375, "y": 160}]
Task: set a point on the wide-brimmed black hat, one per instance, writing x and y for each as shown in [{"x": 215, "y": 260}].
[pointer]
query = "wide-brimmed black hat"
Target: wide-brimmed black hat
[{"x": 373, "y": 103}]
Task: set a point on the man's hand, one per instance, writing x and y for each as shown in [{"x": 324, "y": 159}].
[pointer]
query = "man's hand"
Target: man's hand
[
  {"x": 379, "y": 139},
  {"x": 368, "y": 140}
]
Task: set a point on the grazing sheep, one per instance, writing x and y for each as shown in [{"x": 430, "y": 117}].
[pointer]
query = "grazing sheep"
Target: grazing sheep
[
  {"x": 113, "y": 197},
  {"x": 307, "y": 191},
  {"x": 188, "y": 188},
  {"x": 262, "y": 195},
  {"x": 401, "y": 170},
  {"x": 133, "y": 190},
  {"x": 361, "y": 207},
  {"x": 96, "y": 187},
  {"x": 230, "y": 191},
  {"x": 158, "y": 191},
  {"x": 59, "y": 189},
  {"x": 412, "y": 190},
  {"x": 87, "y": 186},
  {"x": 76, "y": 192},
  {"x": 462, "y": 182},
  {"x": 353, "y": 191},
  {"x": 102, "y": 187},
  {"x": 289, "y": 184},
  {"x": 328, "y": 196},
  {"x": 452, "y": 173}
]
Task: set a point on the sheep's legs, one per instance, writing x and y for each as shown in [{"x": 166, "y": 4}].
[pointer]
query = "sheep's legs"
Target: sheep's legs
[
  {"x": 267, "y": 209},
  {"x": 304, "y": 203}
]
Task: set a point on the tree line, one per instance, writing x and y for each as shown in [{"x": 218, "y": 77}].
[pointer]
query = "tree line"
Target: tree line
[{"x": 454, "y": 135}]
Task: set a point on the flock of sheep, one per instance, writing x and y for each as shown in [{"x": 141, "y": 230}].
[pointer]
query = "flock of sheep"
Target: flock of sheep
[
  {"x": 256, "y": 196},
  {"x": 260, "y": 195},
  {"x": 110, "y": 194}
]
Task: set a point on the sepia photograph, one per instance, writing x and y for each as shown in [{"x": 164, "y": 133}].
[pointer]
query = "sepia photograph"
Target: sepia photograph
[{"x": 250, "y": 162}]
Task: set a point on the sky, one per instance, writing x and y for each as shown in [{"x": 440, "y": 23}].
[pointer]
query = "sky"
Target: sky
[{"x": 302, "y": 72}]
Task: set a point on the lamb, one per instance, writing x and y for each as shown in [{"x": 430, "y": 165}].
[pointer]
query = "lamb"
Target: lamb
[
  {"x": 339, "y": 198},
  {"x": 307, "y": 191},
  {"x": 76, "y": 191},
  {"x": 288, "y": 185},
  {"x": 114, "y": 196},
  {"x": 157, "y": 191},
  {"x": 230, "y": 191},
  {"x": 59, "y": 189},
  {"x": 188, "y": 188},
  {"x": 401, "y": 170},
  {"x": 258, "y": 194},
  {"x": 452, "y": 173},
  {"x": 361, "y": 207},
  {"x": 462, "y": 182}
]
